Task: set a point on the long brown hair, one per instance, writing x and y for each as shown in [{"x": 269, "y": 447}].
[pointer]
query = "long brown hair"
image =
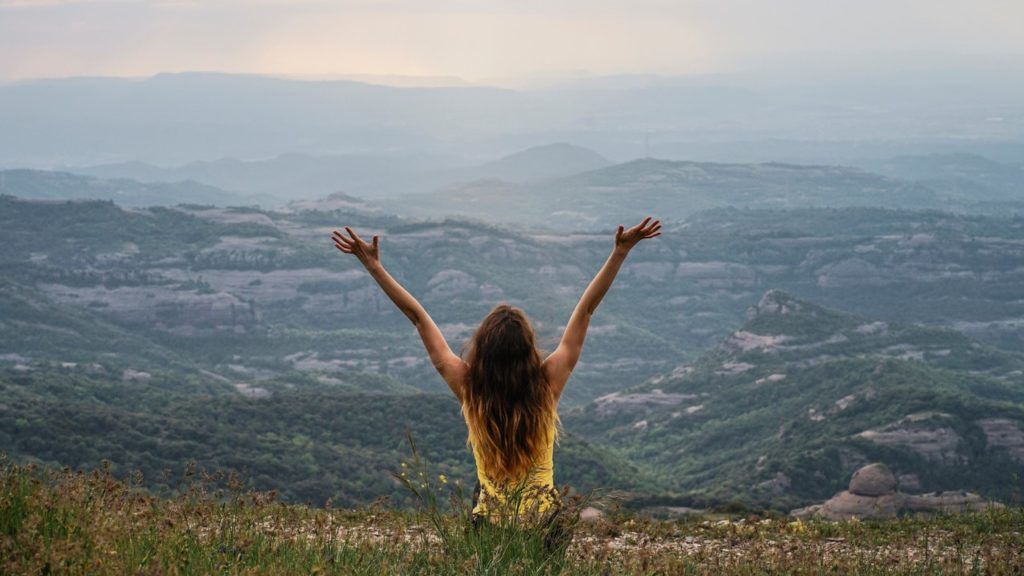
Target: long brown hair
[{"x": 507, "y": 402}]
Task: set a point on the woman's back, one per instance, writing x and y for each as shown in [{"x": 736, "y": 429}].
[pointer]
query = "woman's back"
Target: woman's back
[{"x": 532, "y": 493}]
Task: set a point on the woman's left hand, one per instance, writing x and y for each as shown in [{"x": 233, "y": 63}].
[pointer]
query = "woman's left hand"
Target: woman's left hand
[
  {"x": 627, "y": 239},
  {"x": 368, "y": 254}
]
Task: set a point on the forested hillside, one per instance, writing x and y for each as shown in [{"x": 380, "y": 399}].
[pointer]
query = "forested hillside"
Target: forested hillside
[
  {"x": 789, "y": 405},
  {"x": 240, "y": 338},
  {"x": 312, "y": 444},
  {"x": 253, "y": 294}
]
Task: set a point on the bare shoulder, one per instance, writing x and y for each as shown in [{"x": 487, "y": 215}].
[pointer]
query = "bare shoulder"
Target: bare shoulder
[
  {"x": 555, "y": 374},
  {"x": 455, "y": 373}
]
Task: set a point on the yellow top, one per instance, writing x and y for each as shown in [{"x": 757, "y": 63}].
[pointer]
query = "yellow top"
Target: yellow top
[{"x": 536, "y": 491}]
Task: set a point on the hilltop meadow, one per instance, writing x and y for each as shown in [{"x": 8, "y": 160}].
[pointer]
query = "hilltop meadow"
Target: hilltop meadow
[{"x": 66, "y": 522}]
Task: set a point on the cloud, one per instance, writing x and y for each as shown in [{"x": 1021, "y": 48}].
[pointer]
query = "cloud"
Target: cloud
[
  {"x": 478, "y": 38},
  {"x": 52, "y": 3}
]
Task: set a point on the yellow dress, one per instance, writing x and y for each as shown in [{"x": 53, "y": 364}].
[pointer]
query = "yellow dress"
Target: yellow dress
[{"x": 533, "y": 494}]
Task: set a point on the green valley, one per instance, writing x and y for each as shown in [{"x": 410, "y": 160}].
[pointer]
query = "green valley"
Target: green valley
[{"x": 239, "y": 338}]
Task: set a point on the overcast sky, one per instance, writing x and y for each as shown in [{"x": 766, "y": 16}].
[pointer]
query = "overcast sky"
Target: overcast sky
[{"x": 480, "y": 40}]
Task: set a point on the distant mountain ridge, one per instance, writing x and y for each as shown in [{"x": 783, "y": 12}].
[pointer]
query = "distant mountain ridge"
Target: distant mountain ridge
[
  {"x": 542, "y": 162},
  {"x": 304, "y": 177},
  {"x": 292, "y": 177},
  {"x": 45, "y": 185},
  {"x": 964, "y": 176},
  {"x": 675, "y": 189},
  {"x": 199, "y": 115}
]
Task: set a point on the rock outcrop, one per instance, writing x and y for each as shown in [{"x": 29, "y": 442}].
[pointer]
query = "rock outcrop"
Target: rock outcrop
[
  {"x": 774, "y": 302},
  {"x": 640, "y": 402},
  {"x": 873, "y": 494},
  {"x": 1004, "y": 434},
  {"x": 166, "y": 306},
  {"x": 948, "y": 503},
  {"x": 926, "y": 433},
  {"x": 847, "y": 505}
]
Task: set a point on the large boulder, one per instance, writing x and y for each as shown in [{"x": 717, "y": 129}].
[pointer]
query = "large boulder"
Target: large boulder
[
  {"x": 873, "y": 480},
  {"x": 873, "y": 494},
  {"x": 846, "y": 505}
]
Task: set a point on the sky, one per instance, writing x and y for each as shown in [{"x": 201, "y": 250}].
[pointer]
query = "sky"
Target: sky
[{"x": 482, "y": 41}]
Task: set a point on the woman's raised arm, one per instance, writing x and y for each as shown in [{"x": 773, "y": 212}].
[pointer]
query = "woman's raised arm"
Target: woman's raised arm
[
  {"x": 558, "y": 366},
  {"x": 447, "y": 363}
]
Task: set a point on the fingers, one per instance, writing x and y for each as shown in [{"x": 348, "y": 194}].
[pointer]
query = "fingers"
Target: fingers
[
  {"x": 619, "y": 231},
  {"x": 645, "y": 227},
  {"x": 653, "y": 230},
  {"x": 352, "y": 233},
  {"x": 353, "y": 244},
  {"x": 341, "y": 243},
  {"x": 338, "y": 237},
  {"x": 650, "y": 229}
]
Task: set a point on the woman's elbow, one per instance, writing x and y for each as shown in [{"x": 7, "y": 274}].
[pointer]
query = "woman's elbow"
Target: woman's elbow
[{"x": 414, "y": 316}]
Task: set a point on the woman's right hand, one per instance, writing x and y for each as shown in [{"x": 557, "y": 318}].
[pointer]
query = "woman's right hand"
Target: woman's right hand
[
  {"x": 368, "y": 254},
  {"x": 626, "y": 239}
]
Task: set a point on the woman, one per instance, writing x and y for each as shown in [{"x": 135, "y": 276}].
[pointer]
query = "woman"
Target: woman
[{"x": 509, "y": 395}]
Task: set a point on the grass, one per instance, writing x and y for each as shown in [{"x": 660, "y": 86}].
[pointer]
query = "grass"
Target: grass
[{"x": 72, "y": 522}]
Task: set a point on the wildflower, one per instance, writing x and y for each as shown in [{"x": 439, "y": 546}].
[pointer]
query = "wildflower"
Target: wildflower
[
  {"x": 442, "y": 479},
  {"x": 797, "y": 527},
  {"x": 405, "y": 464}
]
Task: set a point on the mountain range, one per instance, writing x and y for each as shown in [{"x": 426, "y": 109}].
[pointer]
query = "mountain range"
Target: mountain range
[
  {"x": 173, "y": 119},
  {"x": 718, "y": 367},
  {"x": 292, "y": 177}
]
